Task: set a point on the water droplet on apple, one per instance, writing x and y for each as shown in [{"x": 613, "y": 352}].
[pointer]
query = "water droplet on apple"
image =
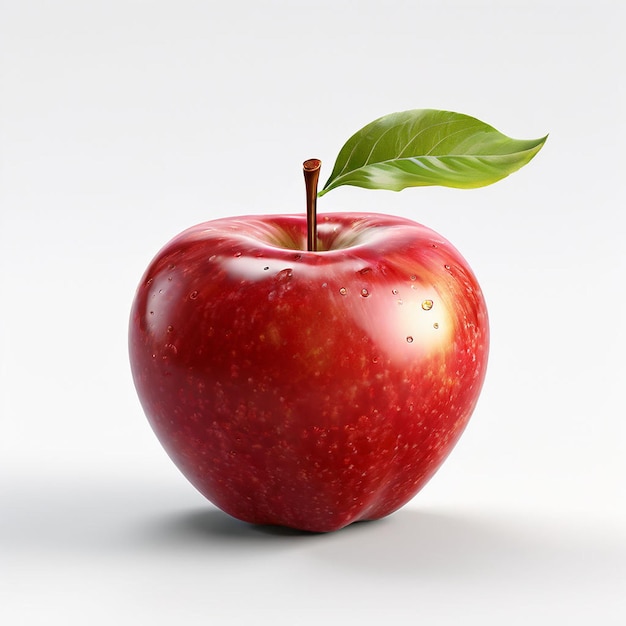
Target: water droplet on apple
[
  {"x": 343, "y": 291},
  {"x": 394, "y": 292},
  {"x": 375, "y": 359},
  {"x": 285, "y": 274},
  {"x": 169, "y": 278},
  {"x": 151, "y": 312},
  {"x": 297, "y": 257},
  {"x": 365, "y": 270},
  {"x": 160, "y": 290},
  {"x": 324, "y": 285},
  {"x": 435, "y": 325},
  {"x": 427, "y": 305},
  {"x": 447, "y": 267},
  {"x": 237, "y": 254},
  {"x": 170, "y": 329},
  {"x": 413, "y": 277},
  {"x": 409, "y": 339},
  {"x": 212, "y": 257},
  {"x": 149, "y": 281},
  {"x": 400, "y": 301},
  {"x": 365, "y": 293},
  {"x": 193, "y": 295},
  {"x": 266, "y": 268}
]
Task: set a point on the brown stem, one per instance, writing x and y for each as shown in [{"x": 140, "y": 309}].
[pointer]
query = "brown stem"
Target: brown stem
[{"x": 311, "y": 170}]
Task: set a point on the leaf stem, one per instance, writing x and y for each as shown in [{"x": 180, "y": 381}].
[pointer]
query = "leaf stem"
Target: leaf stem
[{"x": 311, "y": 169}]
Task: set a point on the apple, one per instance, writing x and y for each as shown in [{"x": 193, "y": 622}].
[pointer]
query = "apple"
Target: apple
[
  {"x": 309, "y": 389},
  {"x": 313, "y": 371}
]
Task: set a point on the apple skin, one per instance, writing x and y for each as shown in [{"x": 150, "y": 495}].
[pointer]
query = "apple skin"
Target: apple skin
[{"x": 308, "y": 389}]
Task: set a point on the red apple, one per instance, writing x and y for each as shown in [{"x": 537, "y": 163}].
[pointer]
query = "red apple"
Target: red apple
[{"x": 309, "y": 389}]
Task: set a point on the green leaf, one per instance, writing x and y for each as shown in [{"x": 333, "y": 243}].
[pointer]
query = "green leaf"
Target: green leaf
[{"x": 428, "y": 147}]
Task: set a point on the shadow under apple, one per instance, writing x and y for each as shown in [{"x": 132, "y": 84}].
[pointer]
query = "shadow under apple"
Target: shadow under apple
[{"x": 415, "y": 544}]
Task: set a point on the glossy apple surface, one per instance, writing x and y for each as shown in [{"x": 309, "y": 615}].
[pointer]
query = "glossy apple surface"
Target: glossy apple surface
[{"x": 308, "y": 389}]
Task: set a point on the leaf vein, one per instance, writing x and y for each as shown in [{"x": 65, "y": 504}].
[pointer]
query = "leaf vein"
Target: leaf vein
[{"x": 422, "y": 131}]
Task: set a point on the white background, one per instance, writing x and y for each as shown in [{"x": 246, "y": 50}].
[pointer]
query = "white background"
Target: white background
[{"x": 123, "y": 122}]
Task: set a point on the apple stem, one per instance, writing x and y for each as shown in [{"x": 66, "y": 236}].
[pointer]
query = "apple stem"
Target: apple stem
[{"x": 311, "y": 169}]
